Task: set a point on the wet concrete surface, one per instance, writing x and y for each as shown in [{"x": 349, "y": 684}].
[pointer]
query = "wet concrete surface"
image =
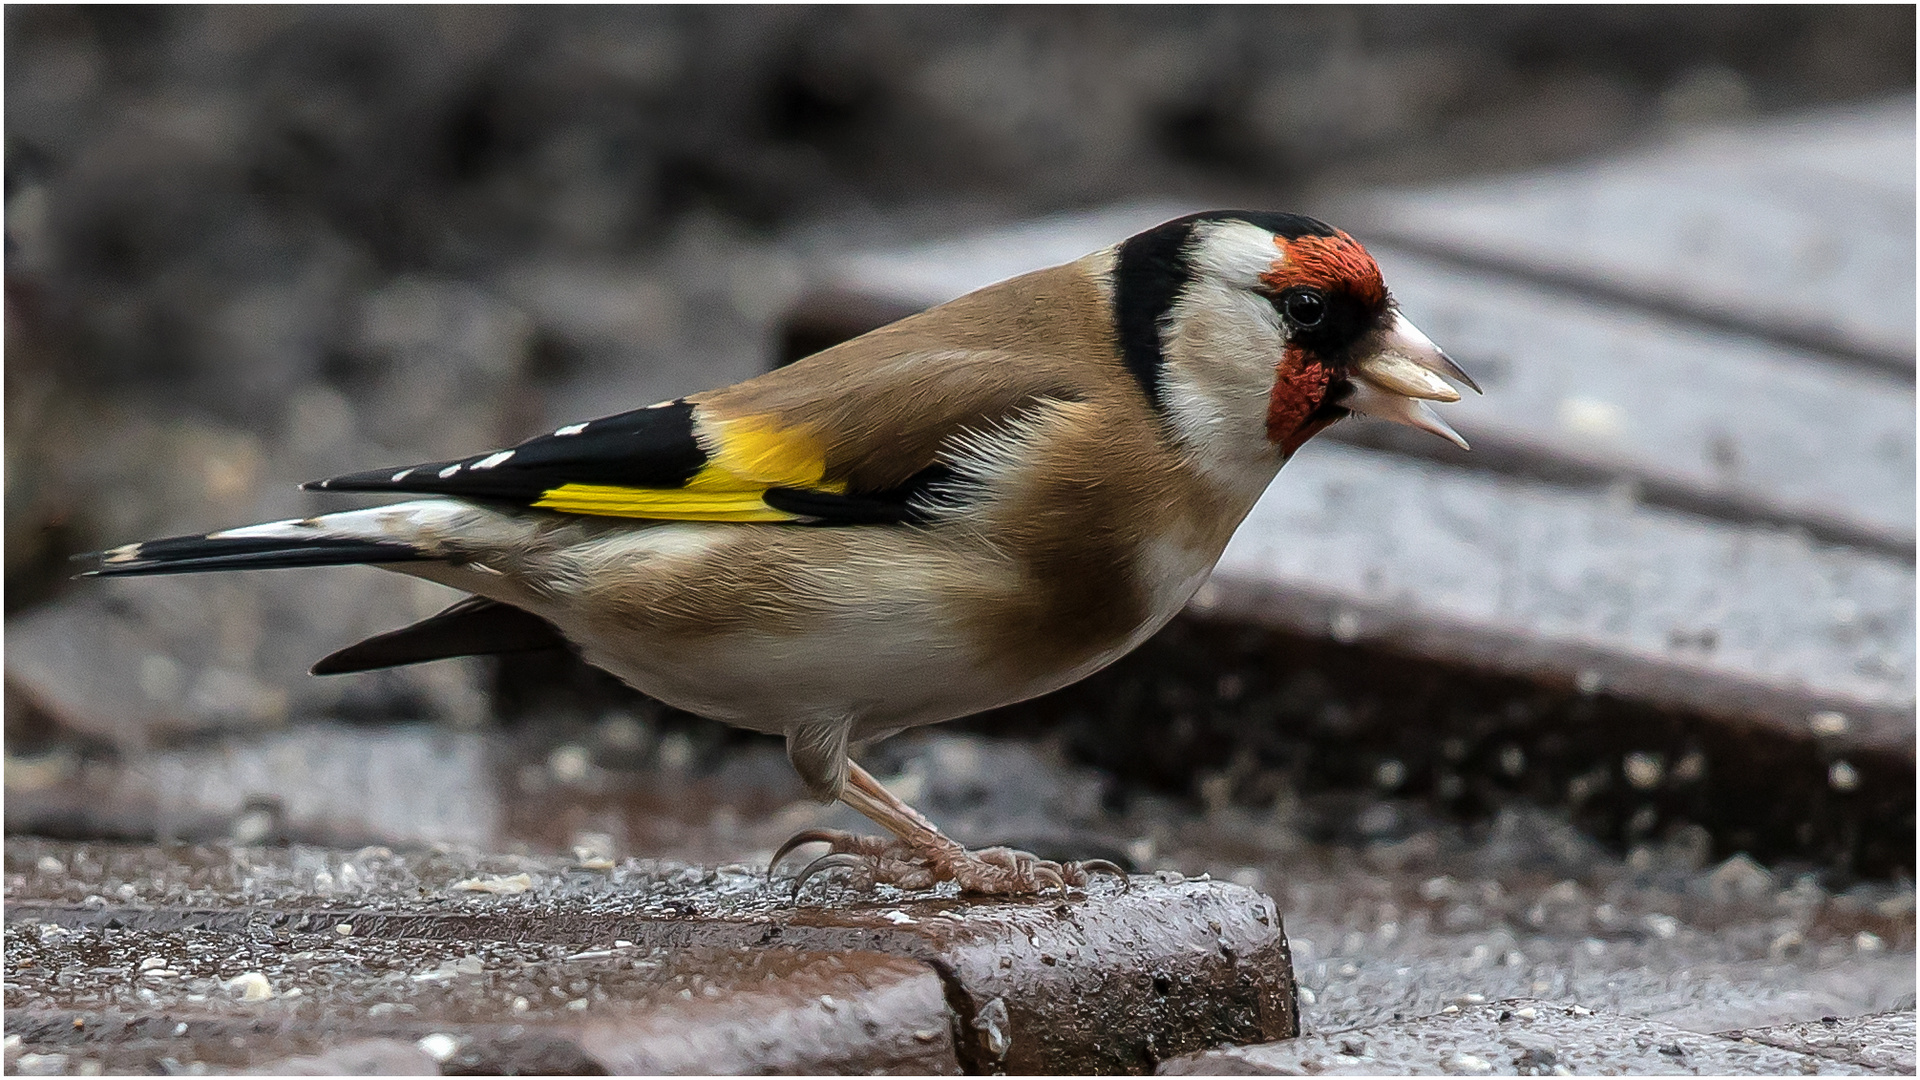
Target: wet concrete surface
[
  {"x": 1883, "y": 1042},
  {"x": 1394, "y": 909},
  {"x": 1406, "y": 928},
  {"x": 1527, "y": 1037},
  {"x": 490, "y": 1007},
  {"x": 521, "y": 963}
]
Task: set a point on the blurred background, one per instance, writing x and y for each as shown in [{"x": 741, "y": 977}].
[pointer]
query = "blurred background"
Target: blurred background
[{"x": 250, "y": 246}]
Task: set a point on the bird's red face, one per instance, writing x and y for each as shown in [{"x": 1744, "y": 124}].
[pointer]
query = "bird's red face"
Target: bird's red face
[
  {"x": 1200, "y": 303},
  {"x": 1348, "y": 349},
  {"x": 1329, "y": 291}
]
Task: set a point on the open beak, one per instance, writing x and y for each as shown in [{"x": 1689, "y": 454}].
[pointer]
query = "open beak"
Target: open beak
[{"x": 1397, "y": 370}]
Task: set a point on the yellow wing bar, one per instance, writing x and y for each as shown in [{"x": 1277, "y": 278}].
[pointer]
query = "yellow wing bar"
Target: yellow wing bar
[
  {"x": 676, "y": 504},
  {"x": 747, "y": 459}
]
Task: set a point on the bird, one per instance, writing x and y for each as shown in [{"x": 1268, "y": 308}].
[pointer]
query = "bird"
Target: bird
[{"x": 972, "y": 506}]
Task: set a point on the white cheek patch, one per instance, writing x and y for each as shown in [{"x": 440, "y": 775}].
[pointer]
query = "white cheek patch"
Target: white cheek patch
[
  {"x": 1236, "y": 252},
  {"x": 1222, "y": 345},
  {"x": 1224, "y": 341}
]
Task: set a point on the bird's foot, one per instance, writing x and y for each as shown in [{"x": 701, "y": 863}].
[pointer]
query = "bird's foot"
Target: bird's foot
[{"x": 994, "y": 871}]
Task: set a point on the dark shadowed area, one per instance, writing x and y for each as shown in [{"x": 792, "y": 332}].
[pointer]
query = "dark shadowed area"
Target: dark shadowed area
[{"x": 1639, "y": 741}]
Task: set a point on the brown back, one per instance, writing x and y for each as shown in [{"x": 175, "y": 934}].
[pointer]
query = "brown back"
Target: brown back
[{"x": 883, "y": 404}]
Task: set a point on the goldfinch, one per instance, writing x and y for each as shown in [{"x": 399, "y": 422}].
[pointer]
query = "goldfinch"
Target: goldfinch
[{"x": 969, "y": 507}]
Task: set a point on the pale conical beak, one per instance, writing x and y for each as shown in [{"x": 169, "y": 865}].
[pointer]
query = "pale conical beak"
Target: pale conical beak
[{"x": 1397, "y": 371}]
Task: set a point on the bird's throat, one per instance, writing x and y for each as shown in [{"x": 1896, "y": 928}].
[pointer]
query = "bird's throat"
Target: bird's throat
[{"x": 1300, "y": 385}]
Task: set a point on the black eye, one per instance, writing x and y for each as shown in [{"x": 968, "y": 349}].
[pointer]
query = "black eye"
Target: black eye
[{"x": 1304, "y": 307}]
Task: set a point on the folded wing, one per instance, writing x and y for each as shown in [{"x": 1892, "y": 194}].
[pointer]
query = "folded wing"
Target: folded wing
[
  {"x": 856, "y": 434},
  {"x": 661, "y": 462}
]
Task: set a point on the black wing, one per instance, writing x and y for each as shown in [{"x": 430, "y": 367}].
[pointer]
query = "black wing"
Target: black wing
[
  {"x": 650, "y": 463},
  {"x": 651, "y": 448}
]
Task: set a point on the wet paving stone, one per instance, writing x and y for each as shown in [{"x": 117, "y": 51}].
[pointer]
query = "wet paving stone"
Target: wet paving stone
[
  {"x": 1522, "y": 1037},
  {"x": 128, "y": 957},
  {"x": 1883, "y": 1042},
  {"x": 492, "y": 1007}
]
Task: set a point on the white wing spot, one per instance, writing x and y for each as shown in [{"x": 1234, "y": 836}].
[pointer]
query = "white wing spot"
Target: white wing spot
[
  {"x": 659, "y": 404},
  {"x": 399, "y": 476},
  {"x": 491, "y": 460},
  {"x": 268, "y": 529},
  {"x": 571, "y": 429},
  {"x": 449, "y": 470}
]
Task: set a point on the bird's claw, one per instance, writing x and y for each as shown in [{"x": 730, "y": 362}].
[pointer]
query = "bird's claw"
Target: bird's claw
[
  {"x": 1047, "y": 876},
  {"x": 832, "y": 861},
  {"x": 995, "y": 871},
  {"x": 1089, "y": 867},
  {"x": 800, "y": 839}
]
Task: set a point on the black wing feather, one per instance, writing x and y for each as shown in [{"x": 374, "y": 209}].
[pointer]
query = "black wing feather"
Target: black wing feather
[
  {"x": 648, "y": 448},
  {"x": 196, "y": 554}
]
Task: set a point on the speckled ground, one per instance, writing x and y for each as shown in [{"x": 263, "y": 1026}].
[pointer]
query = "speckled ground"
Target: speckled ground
[{"x": 1430, "y": 914}]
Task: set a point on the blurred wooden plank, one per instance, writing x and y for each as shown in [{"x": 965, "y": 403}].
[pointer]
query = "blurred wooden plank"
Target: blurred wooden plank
[
  {"x": 1522, "y": 576},
  {"x": 1801, "y": 229},
  {"x": 927, "y": 274},
  {"x": 1709, "y": 420}
]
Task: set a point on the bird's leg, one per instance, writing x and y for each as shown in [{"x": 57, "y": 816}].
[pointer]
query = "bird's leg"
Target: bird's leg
[{"x": 920, "y": 855}]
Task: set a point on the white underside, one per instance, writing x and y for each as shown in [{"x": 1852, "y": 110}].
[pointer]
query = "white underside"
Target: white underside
[{"x": 890, "y": 656}]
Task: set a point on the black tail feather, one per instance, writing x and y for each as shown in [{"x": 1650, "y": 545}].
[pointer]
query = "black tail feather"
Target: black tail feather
[
  {"x": 475, "y": 626},
  {"x": 198, "y": 554}
]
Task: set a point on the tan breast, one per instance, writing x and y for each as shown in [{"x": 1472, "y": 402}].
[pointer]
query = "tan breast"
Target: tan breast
[{"x": 1104, "y": 522}]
